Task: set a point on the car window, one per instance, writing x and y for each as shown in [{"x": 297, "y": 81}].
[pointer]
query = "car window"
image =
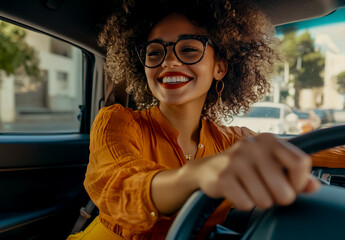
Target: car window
[
  {"x": 302, "y": 115},
  {"x": 287, "y": 111},
  {"x": 40, "y": 82},
  {"x": 264, "y": 112},
  {"x": 310, "y": 77}
]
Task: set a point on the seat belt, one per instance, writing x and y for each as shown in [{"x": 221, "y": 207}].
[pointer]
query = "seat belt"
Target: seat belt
[
  {"x": 85, "y": 214},
  {"x": 109, "y": 94}
]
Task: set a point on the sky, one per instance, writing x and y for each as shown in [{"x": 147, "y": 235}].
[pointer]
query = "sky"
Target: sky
[{"x": 330, "y": 37}]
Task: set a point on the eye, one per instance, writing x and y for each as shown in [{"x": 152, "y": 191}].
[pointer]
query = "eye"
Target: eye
[
  {"x": 154, "y": 50},
  {"x": 189, "y": 49},
  {"x": 154, "y": 53}
]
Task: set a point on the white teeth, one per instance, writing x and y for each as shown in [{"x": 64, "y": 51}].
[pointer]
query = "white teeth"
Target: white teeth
[{"x": 177, "y": 79}]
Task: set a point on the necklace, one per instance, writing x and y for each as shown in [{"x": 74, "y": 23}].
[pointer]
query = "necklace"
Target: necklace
[{"x": 190, "y": 156}]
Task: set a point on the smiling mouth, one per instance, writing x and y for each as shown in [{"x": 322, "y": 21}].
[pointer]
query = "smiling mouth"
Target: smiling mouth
[
  {"x": 172, "y": 77},
  {"x": 174, "y": 80}
]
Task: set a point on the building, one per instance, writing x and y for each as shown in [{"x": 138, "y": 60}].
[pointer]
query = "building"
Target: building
[
  {"x": 334, "y": 64},
  {"x": 57, "y": 90}
]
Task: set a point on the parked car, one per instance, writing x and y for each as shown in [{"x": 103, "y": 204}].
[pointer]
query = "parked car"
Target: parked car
[
  {"x": 339, "y": 116},
  {"x": 269, "y": 117},
  {"x": 43, "y": 156},
  {"x": 326, "y": 115},
  {"x": 307, "y": 121}
]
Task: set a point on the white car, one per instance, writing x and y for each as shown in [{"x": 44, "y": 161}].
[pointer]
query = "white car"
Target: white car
[{"x": 268, "y": 117}]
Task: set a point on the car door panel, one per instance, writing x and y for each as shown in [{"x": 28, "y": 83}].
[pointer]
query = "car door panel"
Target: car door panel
[{"x": 41, "y": 183}]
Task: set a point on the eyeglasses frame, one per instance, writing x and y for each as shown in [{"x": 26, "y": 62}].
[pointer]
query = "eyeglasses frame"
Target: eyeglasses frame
[{"x": 203, "y": 39}]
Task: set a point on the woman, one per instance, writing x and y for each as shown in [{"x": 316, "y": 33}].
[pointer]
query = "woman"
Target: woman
[{"x": 189, "y": 65}]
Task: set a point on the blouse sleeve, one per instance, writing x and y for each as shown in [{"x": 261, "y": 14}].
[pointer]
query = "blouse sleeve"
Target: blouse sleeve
[
  {"x": 331, "y": 158},
  {"x": 118, "y": 178},
  {"x": 234, "y": 134}
]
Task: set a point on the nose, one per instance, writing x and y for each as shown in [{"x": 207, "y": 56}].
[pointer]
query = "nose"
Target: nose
[{"x": 171, "y": 59}]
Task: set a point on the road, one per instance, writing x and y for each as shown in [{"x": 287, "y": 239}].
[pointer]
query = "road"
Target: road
[{"x": 42, "y": 123}]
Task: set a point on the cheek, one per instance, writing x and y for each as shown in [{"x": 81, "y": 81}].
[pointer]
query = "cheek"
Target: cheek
[
  {"x": 205, "y": 70},
  {"x": 208, "y": 64},
  {"x": 149, "y": 74}
]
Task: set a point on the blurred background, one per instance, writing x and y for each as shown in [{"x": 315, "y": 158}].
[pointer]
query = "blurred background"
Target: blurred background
[
  {"x": 40, "y": 79},
  {"x": 308, "y": 86}
]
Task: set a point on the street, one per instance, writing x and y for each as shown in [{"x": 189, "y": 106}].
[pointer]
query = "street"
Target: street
[{"x": 42, "y": 123}]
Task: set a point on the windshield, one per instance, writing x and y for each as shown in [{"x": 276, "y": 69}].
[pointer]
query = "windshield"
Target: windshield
[
  {"x": 264, "y": 112},
  {"x": 309, "y": 81}
]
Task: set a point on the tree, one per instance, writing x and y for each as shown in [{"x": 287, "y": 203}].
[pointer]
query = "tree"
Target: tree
[
  {"x": 16, "y": 56},
  {"x": 306, "y": 64},
  {"x": 288, "y": 47},
  {"x": 341, "y": 82},
  {"x": 309, "y": 75}
]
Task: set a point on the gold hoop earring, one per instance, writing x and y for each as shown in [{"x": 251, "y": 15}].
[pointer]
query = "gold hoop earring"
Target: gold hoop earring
[
  {"x": 147, "y": 91},
  {"x": 219, "y": 92}
]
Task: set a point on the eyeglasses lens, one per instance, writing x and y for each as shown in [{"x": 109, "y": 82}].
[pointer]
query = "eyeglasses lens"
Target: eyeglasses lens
[{"x": 154, "y": 54}]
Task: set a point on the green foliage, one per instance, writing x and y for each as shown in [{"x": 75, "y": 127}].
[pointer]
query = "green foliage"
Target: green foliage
[
  {"x": 16, "y": 56},
  {"x": 305, "y": 44},
  {"x": 309, "y": 75},
  {"x": 341, "y": 82},
  {"x": 288, "y": 47},
  {"x": 301, "y": 48},
  {"x": 306, "y": 63}
]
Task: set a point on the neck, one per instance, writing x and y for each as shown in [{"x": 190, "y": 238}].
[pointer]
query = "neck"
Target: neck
[{"x": 186, "y": 120}]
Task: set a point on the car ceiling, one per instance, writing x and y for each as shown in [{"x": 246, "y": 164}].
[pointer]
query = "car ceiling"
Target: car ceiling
[{"x": 79, "y": 21}]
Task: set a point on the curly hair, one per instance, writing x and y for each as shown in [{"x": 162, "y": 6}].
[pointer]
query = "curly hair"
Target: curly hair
[{"x": 241, "y": 33}]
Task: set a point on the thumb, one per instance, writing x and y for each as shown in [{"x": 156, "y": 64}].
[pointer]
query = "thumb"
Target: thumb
[{"x": 312, "y": 186}]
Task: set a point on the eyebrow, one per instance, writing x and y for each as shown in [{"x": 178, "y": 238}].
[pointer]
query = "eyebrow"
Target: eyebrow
[{"x": 179, "y": 37}]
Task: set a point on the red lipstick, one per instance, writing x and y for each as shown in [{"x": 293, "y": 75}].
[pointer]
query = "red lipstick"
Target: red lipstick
[{"x": 173, "y": 85}]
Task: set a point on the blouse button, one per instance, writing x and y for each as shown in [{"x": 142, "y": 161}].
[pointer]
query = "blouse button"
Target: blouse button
[
  {"x": 153, "y": 214},
  {"x": 200, "y": 146}
]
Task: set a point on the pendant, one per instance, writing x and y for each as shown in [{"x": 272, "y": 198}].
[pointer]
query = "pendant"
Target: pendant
[{"x": 188, "y": 157}]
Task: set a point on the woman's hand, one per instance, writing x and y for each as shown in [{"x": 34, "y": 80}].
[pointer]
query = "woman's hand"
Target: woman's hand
[{"x": 258, "y": 171}]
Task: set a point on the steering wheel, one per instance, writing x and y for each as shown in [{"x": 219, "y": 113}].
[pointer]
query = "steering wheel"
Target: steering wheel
[{"x": 311, "y": 216}]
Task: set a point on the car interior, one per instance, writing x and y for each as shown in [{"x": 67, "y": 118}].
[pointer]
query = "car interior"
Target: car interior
[{"x": 42, "y": 171}]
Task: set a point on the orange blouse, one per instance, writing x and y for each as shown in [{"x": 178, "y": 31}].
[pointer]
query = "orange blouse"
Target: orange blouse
[{"x": 127, "y": 149}]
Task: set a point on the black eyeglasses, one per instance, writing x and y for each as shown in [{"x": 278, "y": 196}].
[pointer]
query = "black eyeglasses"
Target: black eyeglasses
[{"x": 189, "y": 49}]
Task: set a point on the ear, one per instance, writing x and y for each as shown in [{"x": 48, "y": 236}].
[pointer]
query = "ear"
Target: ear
[{"x": 220, "y": 69}]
